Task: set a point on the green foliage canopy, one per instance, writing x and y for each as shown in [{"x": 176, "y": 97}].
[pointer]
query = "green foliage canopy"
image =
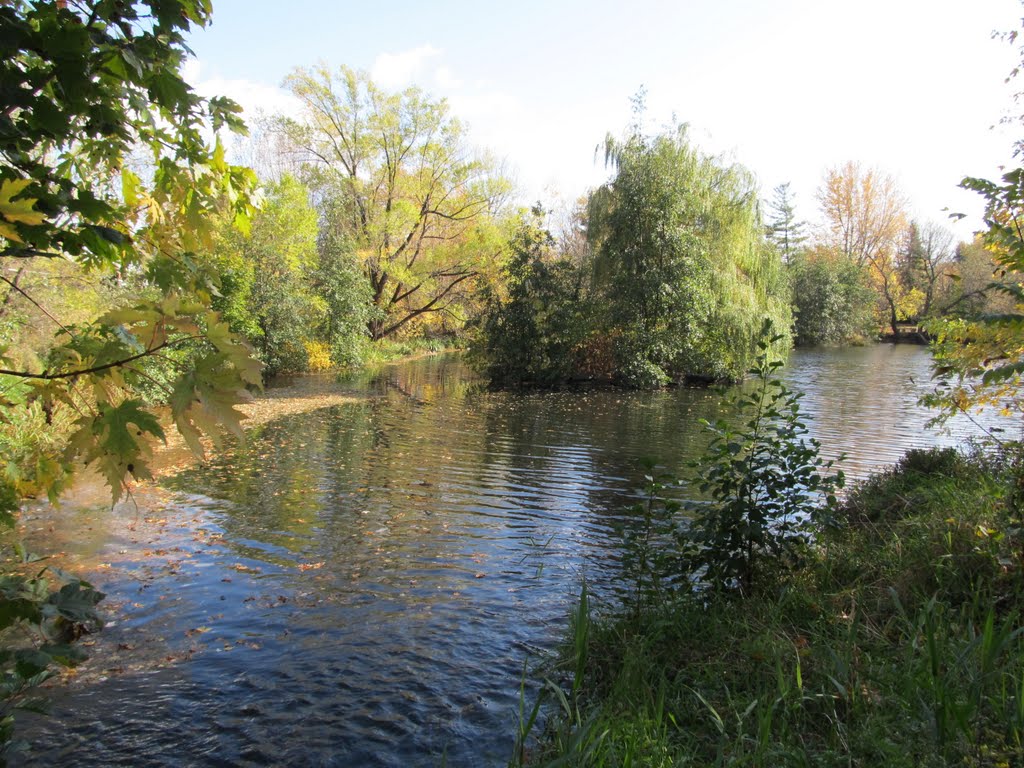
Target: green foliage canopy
[
  {"x": 86, "y": 83},
  {"x": 266, "y": 290},
  {"x": 536, "y": 332},
  {"x": 833, "y": 301},
  {"x": 681, "y": 254}
]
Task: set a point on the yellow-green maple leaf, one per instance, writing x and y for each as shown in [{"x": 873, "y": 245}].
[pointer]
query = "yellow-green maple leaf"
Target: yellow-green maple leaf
[{"x": 18, "y": 210}]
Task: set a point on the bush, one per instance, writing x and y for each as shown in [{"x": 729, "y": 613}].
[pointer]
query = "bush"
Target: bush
[
  {"x": 318, "y": 356},
  {"x": 921, "y": 478},
  {"x": 39, "y": 623},
  {"x": 937, "y": 525},
  {"x": 766, "y": 483},
  {"x": 832, "y": 299},
  {"x": 537, "y": 332}
]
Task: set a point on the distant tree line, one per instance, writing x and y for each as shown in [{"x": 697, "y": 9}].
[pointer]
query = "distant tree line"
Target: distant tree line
[
  {"x": 380, "y": 222},
  {"x": 871, "y": 268}
]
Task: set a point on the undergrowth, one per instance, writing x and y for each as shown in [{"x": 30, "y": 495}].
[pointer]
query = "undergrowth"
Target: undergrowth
[{"x": 896, "y": 641}]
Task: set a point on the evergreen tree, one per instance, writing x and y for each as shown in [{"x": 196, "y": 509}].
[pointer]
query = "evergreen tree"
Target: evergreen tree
[{"x": 784, "y": 229}]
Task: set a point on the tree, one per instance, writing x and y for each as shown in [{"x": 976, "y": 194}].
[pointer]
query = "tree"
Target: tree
[
  {"x": 982, "y": 358},
  {"x": 833, "y": 300},
  {"x": 975, "y": 275},
  {"x": 84, "y": 84},
  {"x": 271, "y": 298},
  {"x": 865, "y": 222},
  {"x": 784, "y": 229},
  {"x": 864, "y": 213},
  {"x": 339, "y": 281},
  {"x": 980, "y": 361},
  {"x": 927, "y": 263},
  {"x": 681, "y": 256},
  {"x": 979, "y": 357},
  {"x": 416, "y": 201},
  {"x": 899, "y": 299},
  {"x": 536, "y": 332}
]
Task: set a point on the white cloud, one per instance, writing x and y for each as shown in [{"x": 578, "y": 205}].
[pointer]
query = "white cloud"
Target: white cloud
[
  {"x": 253, "y": 97},
  {"x": 395, "y": 70},
  {"x": 446, "y": 79}
]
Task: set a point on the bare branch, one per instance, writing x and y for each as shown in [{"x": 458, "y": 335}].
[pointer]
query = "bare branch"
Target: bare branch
[{"x": 15, "y": 287}]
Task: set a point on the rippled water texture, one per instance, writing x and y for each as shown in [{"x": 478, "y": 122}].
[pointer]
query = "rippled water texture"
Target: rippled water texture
[{"x": 361, "y": 584}]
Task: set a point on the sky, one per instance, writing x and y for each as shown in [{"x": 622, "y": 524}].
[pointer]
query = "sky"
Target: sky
[{"x": 787, "y": 88}]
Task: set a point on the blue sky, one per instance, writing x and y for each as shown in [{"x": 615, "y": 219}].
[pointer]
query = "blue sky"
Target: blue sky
[{"x": 786, "y": 87}]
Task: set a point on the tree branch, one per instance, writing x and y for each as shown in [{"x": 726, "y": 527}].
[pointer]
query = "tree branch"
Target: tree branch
[
  {"x": 96, "y": 368},
  {"x": 15, "y": 287}
]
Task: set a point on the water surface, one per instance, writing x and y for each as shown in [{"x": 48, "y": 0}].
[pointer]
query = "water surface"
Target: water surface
[{"x": 360, "y": 585}]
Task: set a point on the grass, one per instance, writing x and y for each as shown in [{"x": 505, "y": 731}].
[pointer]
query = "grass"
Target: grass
[
  {"x": 388, "y": 350},
  {"x": 898, "y": 643}
]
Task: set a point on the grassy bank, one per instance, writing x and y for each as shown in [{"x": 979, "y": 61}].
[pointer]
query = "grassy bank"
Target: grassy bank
[
  {"x": 897, "y": 641},
  {"x": 389, "y": 351}
]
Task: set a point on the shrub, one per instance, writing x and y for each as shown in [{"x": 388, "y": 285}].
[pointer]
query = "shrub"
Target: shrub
[
  {"x": 318, "y": 356},
  {"x": 766, "y": 482},
  {"x": 534, "y": 334},
  {"x": 833, "y": 301}
]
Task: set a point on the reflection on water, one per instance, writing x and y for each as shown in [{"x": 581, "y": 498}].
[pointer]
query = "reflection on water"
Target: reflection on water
[{"x": 361, "y": 584}]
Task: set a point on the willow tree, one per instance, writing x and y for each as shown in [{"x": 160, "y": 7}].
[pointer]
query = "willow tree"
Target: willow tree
[
  {"x": 681, "y": 255},
  {"x": 417, "y": 201}
]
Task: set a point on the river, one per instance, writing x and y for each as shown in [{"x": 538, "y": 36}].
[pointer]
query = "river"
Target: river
[{"x": 361, "y": 584}]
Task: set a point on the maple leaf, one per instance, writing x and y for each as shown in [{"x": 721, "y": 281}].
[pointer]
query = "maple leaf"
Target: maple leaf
[
  {"x": 16, "y": 210},
  {"x": 110, "y": 442},
  {"x": 204, "y": 400}
]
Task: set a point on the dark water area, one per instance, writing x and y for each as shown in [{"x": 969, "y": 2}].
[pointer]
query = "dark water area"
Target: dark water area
[{"x": 361, "y": 585}]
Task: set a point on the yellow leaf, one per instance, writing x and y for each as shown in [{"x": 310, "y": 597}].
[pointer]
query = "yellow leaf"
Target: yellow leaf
[
  {"x": 18, "y": 210},
  {"x": 6, "y": 230},
  {"x": 130, "y": 184}
]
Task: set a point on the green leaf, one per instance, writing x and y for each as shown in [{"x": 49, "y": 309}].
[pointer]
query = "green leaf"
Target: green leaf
[
  {"x": 77, "y": 603},
  {"x": 121, "y": 425},
  {"x": 114, "y": 441}
]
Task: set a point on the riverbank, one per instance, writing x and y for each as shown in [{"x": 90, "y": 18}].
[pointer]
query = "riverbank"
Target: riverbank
[{"x": 898, "y": 643}]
